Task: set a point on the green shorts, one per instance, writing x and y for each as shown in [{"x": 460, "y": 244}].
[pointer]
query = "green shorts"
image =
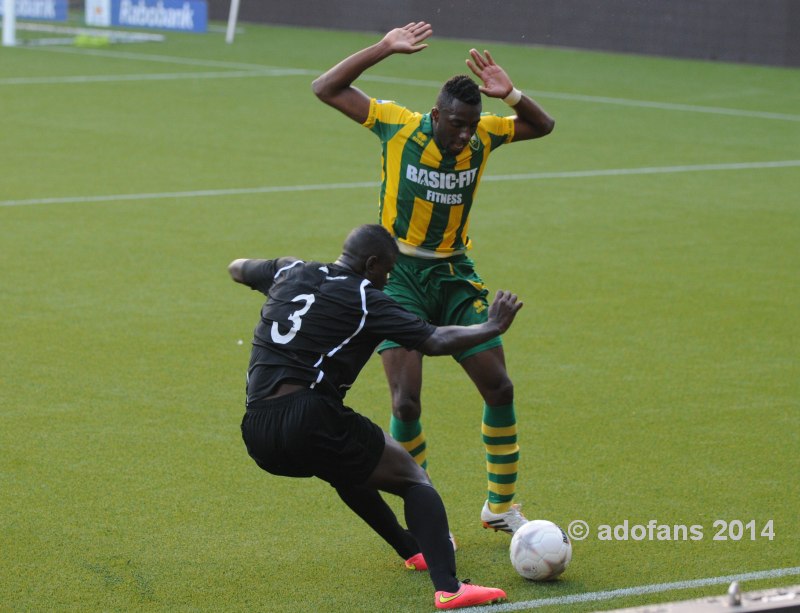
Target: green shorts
[{"x": 446, "y": 292}]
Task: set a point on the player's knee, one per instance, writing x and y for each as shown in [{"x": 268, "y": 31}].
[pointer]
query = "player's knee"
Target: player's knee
[
  {"x": 415, "y": 476},
  {"x": 406, "y": 407},
  {"x": 407, "y": 474},
  {"x": 500, "y": 393}
]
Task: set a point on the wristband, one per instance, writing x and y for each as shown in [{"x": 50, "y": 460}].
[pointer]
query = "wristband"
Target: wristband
[{"x": 513, "y": 98}]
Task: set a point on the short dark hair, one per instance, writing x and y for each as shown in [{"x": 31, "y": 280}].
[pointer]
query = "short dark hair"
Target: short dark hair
[
  {"x": 368, "y": 240},
  {"x": 461, "y": 88}
]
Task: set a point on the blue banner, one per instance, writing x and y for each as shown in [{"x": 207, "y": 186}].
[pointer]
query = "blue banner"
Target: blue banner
[
  {"x": 180, "y": 15},
  {"x": 47, "y": 10}
]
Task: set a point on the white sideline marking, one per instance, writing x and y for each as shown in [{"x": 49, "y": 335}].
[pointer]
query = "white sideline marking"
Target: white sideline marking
[
  {"x": 637, "y": 591},
  {"x": 570, "y": 174},
  {"x": 162, "y": 76},
  {"x": 269, "y": 71},
  {"x": 237, "y": 191},
  {"x": 163, "y": 59},
  {"x": 669, "y": 106}
]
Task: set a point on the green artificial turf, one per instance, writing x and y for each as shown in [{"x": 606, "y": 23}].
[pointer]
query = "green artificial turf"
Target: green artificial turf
[{"x": 656, "y": 361}]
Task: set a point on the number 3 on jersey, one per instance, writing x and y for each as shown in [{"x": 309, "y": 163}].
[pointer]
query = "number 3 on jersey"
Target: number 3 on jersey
[{"x": 295, "y": 318}]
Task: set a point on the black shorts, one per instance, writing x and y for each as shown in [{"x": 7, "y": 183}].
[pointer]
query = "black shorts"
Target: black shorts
[{"x": 309, "y": 434}]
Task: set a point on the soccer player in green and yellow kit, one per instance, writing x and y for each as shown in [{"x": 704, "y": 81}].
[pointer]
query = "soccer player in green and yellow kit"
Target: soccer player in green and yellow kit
[{"x": 431, "y": 167}]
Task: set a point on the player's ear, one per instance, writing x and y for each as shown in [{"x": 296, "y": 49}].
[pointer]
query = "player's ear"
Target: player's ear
[{"x": 370, "y": 263}]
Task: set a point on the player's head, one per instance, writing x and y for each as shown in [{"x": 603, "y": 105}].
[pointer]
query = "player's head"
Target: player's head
[
  {"x": 456, "y": 114},
  {"x": 370, "y": 250}
]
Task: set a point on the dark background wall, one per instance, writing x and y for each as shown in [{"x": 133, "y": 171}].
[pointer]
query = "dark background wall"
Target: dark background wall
[{"x": 752, "y": 31}]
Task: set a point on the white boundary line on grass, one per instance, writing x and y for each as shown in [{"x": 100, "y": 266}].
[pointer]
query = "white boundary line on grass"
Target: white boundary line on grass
[
  {"x": 244, "y": 71},
  {"x": 652, "y": 170},
  {"x": 156, "y": 76},
  {"x": 161, "y": 59},
  {"x": 640, "y": 590},
  {"x": 570, "y": 174},
  {"x": 669, "y": 106}
]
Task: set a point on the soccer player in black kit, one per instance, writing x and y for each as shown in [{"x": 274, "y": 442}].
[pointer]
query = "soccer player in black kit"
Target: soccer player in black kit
[{"x": 319, "y": 326}]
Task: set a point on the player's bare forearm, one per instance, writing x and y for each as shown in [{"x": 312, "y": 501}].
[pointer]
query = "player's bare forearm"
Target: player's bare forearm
[
  {"x": 447, "y": 340},
  {"x": 335, "y": 86},
  {"x": 333, "y": 81},
  {"x": 531, "y": 121}
]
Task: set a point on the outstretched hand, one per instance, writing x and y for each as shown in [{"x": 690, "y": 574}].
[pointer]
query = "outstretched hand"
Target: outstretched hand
[
  {"x": 504, "y": 309},
  {"x": 408, "y": 39},
  {"x": 496, "y": 83}
]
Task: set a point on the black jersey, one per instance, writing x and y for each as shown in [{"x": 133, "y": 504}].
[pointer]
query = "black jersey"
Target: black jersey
[{"x": 320, "y": 325}]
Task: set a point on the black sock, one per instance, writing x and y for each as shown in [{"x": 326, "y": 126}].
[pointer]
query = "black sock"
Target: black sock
[
  {"x": 427, "y": 520},
  {"x": 368, "y": 504}
]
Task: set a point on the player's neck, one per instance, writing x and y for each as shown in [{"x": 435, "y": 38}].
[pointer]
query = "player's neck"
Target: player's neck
[{"x": 346, "y": 264}]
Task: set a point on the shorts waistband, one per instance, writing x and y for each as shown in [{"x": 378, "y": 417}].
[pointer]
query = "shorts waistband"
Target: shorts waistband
[
  {"x": 426, "y": 254},
  {"x": 278, "y": 402},
  {"x": 410, "y": 260}
]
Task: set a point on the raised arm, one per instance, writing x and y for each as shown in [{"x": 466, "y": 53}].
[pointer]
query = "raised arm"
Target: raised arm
[
  {"x": 447, "y": 340},
  {"x": 251, "y": 272},
  {"x": 236, "y": 270},
  {"x": 531, "y": 120},
  {"x": 334, "y": 87}
]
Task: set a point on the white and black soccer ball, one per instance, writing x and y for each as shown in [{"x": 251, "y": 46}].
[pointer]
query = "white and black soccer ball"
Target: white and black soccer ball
[{"x": 540, "y": 550}]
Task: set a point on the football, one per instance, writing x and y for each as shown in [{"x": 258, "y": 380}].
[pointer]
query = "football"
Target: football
[{"x": 540, "y": 550}]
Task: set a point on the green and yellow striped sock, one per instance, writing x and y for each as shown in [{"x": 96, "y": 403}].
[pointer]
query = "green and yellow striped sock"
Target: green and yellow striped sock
[
  {"x": 499, "y": 429},
  {"x": 409, "y": 434}
]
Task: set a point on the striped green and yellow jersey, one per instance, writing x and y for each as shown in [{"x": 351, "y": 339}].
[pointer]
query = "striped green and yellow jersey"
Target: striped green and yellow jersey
[{"x": 426, "y": 197}]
